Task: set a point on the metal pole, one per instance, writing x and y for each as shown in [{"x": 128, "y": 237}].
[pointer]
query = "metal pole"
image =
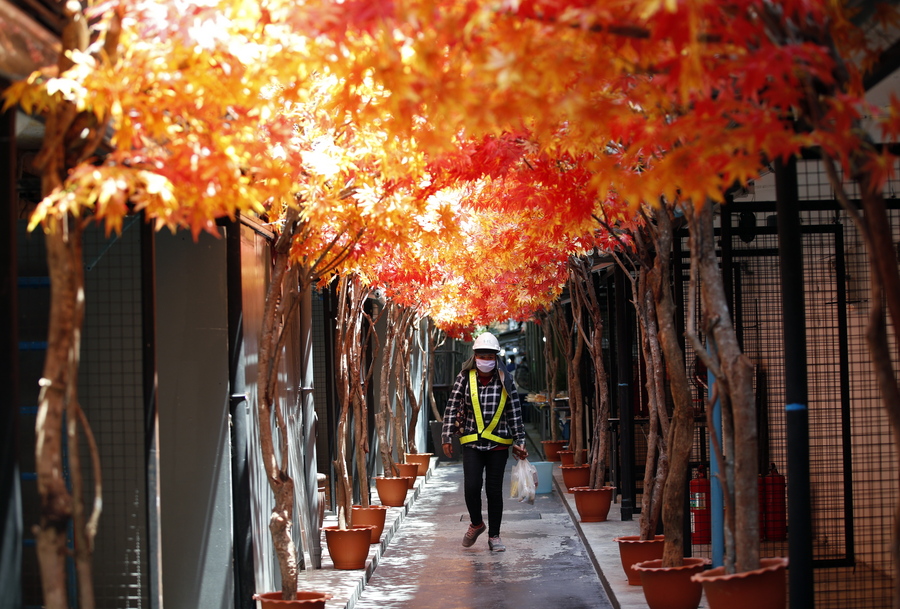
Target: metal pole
[
  {"x": 790, "y": 249},
  {"x": 241, "y": 428},
  {"x": 153, "y": 573},
  {"x": 625, "y": 374}
]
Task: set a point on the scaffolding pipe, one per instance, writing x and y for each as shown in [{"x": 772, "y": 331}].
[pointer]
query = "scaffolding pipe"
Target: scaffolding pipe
[{"x": 790, "y": 251}]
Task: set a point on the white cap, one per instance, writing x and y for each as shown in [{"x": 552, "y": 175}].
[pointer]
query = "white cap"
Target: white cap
[{"x": 486, "y": 341}]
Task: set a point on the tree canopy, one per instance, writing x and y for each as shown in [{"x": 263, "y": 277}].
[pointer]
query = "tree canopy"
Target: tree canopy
[{"x": 456, "y": 152}]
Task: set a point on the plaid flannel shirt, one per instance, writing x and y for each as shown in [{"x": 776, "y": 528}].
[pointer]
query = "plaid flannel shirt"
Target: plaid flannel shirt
[{"x": 459, "y": 413}]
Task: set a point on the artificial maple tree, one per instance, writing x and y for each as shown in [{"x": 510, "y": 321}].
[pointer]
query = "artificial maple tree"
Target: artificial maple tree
[
  {"x": 687, "y": 100},
  {"x": 586, "y": 307},
  {"x": 115, "y": 70},
  {"x": 242, "y": 132}
]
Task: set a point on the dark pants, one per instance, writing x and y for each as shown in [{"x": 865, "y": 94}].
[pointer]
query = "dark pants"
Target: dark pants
[{"x": 485, "y": 466}]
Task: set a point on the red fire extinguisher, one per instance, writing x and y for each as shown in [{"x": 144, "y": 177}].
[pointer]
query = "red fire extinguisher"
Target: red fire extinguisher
[
  {"x": 700, "y": 516},
  {"x": 776, "y": 505}
]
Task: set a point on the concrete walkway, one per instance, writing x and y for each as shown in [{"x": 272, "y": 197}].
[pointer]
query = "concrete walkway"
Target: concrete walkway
[
  {"x": 552, "y": 559},
  {"x": 426, "y": 567}
]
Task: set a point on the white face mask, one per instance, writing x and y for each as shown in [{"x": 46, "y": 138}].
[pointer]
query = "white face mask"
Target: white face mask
[{"x": 486, "y": 365}]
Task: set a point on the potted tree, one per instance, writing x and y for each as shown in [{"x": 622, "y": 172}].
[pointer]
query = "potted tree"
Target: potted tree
[
  {"x": 412, "y": 339},
  {"x": 737, "y": 452},
  {"x": 551, "y": 365},
  {"x": 647, "y": 545},
  {"x": 573, "y": 347},
  {"x": 663, "y": 579},
  {"x": 593, "y": 499},
  {"x": 354, "y": 330},
  {"x": 392, "y": 489},
  {"x": 155, "y": 168}
]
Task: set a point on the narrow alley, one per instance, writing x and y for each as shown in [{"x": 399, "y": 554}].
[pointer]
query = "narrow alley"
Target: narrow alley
[{"x": 425, "y": 566}]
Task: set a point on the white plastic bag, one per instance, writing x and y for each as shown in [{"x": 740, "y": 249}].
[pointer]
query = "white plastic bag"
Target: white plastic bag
[{"x": 524, "y": 481}]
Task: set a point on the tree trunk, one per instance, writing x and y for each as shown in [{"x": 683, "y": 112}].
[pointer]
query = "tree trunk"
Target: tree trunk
[
  {"x": 276, "y": 304},
  {"x": 736, "y": 390},
  {"x": 600, "y": 445},
  {"x": 343, "y": 487},
  {"x": 64, "y": 258},
  {"x": 586, "y": 300},
  {"x": 437, "y": 338},
  {"x": 573, "y": 348},
  {"x": 552, "y": 365},
  {"x": 413, "y": 394},
  {"x": 384, "y": 418},
  {"x": 681, "y": 431},
  {"x": 657, "y": 463},
  {"x": 354, "y": 330},
  {"x": 63, "y": 148},
  {"x": 401, "y": 366}
]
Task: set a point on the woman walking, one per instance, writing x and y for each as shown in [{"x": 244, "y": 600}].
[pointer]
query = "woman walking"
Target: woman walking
[{"x": 485, "y": 411}]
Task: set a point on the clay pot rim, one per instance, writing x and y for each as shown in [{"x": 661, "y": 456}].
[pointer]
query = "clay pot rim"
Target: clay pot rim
[
  {"x": 637, "y": 539},
  {"x": 352, "y": 527},
  {"x": 267, "y": 596},
  {"x": 392, "y": 477},
  {"x": 587, "y": 488},
  {"x": 718, "y": 574},
  {"x": 369, "y": 507},
  {"x": 575, "y": 466},
  {"x": 696, "y": 561}
]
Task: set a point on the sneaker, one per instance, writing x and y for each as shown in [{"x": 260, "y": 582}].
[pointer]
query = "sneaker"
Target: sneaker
[
  {"x": 472, "y": 534},
  {"x": 496, "y": 545}
]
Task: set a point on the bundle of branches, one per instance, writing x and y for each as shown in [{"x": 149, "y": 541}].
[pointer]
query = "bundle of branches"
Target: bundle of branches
[
  {"x": 390, "y": 420},
  {"x": 657, "y": 463},
  {"x": 355, "y": 329},
  {"x": 573, "y": 348},
  {"x": 586, "y": 304}
]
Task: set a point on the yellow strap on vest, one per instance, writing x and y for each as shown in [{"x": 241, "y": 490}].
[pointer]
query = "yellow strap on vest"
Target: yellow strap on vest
[{"x": 486, "y": 433}]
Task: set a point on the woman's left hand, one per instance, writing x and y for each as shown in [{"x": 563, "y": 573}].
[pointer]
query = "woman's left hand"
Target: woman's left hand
[{"x": 519, "y": 452}]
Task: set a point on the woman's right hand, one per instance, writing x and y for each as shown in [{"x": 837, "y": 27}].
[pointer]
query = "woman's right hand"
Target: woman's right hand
[{"x": 448, "y": 450}]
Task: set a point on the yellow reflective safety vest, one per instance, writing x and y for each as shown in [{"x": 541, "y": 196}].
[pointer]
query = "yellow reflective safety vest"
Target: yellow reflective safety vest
[{"x": 484, "y": 432}]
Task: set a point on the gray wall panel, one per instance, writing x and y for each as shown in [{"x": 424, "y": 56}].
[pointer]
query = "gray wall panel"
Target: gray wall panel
[{"x": 195, "y": 478}]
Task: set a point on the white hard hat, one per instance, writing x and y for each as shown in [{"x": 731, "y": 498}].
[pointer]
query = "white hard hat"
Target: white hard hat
[{"x": 486, "y": 341}]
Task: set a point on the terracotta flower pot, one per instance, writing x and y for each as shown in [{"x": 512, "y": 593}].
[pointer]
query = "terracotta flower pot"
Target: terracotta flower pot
[
  {"x": 763, "y": 587},
  {"x": 552, "y": 448},
  {"x": 671, "y": 587},
  {"x": 408, "y": 470},
  {"x": 373, "y": 515},
  {"x": 633, "y": 549},
  {"x": 305, "y": 600},
  {"x": 593, "y": 503},
  {"x": 567, "y": 457},
  {"x": 348, "y": 548},
  {"x": 392, "y": 491},
  {"x": 575, "y": 475},
  {"x": 423, "y": 460}
]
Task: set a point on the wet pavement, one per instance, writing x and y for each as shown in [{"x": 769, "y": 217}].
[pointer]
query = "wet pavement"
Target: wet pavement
[
  {"x": 552, "y": 560},
  {"x": 545, "y": 563}
]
